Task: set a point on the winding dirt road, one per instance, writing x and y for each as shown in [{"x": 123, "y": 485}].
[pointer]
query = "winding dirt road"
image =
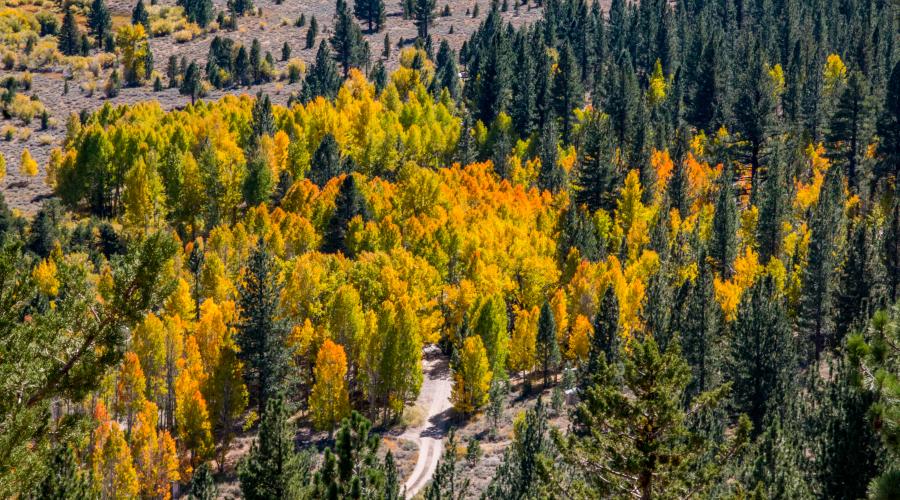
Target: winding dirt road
[{"x": 435, "y": 398}]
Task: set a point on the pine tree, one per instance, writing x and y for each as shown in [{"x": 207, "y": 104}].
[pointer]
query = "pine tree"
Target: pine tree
[
  {"x": 63, "y": 480},
  {"x": 423, "y": 14},
  {"x": 446, "y": 72},
  {"x": 850, "y": 130},
  {"x": 350, "y": 203},
  {"x": 272, "y": 468},
  {"x": 547, "y": 346},
  {"x": 261, "y": 332},
  {"x": 552, "y": 176},
  {"x": 448, "y": 481},
  {"x": 140, "y": 15},
  {"x": 850, "y": 451},
  {"x": 877, "y": 361},
  {"x": 191, "y": 84},
  {"x": 761, "y": 355},
  {"x": 326, "y": 161},
  {"x": 816, "y": 301},
  {"x": 723, "y": 247},
  {"x": 858, "y": 292},
  {"x": 99, "y": 21},
  {"x": 755, "y": 114},
  {"x": 351, "y": 469},
  {"x": 706, "y": 93},
  {"x": 889, "y": 131},
  {"x": 322, "y": 79},
  {"x": 201, "y": 11},
  {"x": 567, "y": 92},
  {"x": 371, "y": 12},
  {"x": 598, "y": 179},
  {"x": 578, "y": 232},
  {"x": 605, "y": 341},
  {"x": 203, "y": 487},
  {"x": 312, "y": 33},
  {"x": 629, "y": 438},
  {"x": 379, "y": 76},
  {"x": 622, "y": 104},
  {"x": 772, "y": 210},
  {"x": 69, "y": 38},
  {"x": 520, "y": 474},
  {"x": 347, "y": 40},
  {"x": 698, "y": 330}
]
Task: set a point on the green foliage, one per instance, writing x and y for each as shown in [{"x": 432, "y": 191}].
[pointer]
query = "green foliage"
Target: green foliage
[
  {"x": 202, "y": 485},
  {"x": 262, "y": 333},
  {"x": 632, "y": 437},
  {"x": 273, "y": 469},
  {"x": 448, "y": 481},
  {"x": 547, "y": 346}
]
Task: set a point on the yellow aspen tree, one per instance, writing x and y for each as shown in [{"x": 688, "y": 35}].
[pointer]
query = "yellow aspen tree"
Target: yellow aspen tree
[
  {"x": 210, "y": 333},
  {"x": 2, "y": 167},
  {"x": 112, "y": 466},
  {"x": 180, "y": 302},
  {"x": 522, "y": 344},
  {"x": 191, "y": 412},
  {"x": 130, "y": 388},
  {"x": 214, "y": 282},
  {"x": 27, "y": 166},
  {"x": 154, "y": 454},
  {"x": 472, "y": 379},
  {"x": 329, "y": 401},
  {"x": 580, "y": 339},
  {"x": 144, "y": 198},
  {"x": 559, "y": 306},
  {"x": 149, "y": 344},
  {"x": 227, "y": 396}
]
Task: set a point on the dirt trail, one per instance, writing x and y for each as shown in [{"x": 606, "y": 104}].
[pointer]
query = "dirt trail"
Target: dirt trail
[{"x": 435, "y": 399}]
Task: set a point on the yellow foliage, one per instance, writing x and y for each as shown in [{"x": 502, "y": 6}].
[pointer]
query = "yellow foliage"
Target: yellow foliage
[
  {"x": 27, "y": 166},
  {"x": 522, "y": 344},
  {"x": 473, "y": 378},
  {"x": 580, "y": 339},
  {"x": 835, "y": 72},
  {"x": 328, "y": 401},
  {"x": 44, "y": 275}
]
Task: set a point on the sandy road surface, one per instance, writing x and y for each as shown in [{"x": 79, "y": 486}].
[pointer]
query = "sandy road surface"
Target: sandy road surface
[{"x": 435, "y": 398}]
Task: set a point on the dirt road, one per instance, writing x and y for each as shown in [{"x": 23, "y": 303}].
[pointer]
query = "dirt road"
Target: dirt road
[{"x": 435, "y": 399}]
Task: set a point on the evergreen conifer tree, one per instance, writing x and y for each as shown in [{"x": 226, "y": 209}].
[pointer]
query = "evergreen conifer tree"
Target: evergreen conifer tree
[
  {"x": 346, "y": 39},
  {"x": 272, "y": 469},
  {"x": 761, "y": 355},
  {"x": 725, "y": 222},
  {"x": 547, "y": 345},
  {"x": 99, "y": 21},
  {"x": 552, "y": 177},
  {"x": 261, "y": 333},
  {"x": 567, "y": 92},
  {"x": 140, "y": 15},
  {"x": 816, "y": 300},
  {"x": 203, "y": 487},
  {"x": 322, "y": 79},
  {"x": 851, "y": 129},
  {"x": 326, "y": 161},
  {"x": 349, "y": 204},
  {"x": 69, "y": 38},
  {"x": 423, "y": 14}
]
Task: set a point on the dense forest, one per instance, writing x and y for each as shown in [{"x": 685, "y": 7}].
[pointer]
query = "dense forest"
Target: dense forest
[{"x": 671, "y": 228}]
